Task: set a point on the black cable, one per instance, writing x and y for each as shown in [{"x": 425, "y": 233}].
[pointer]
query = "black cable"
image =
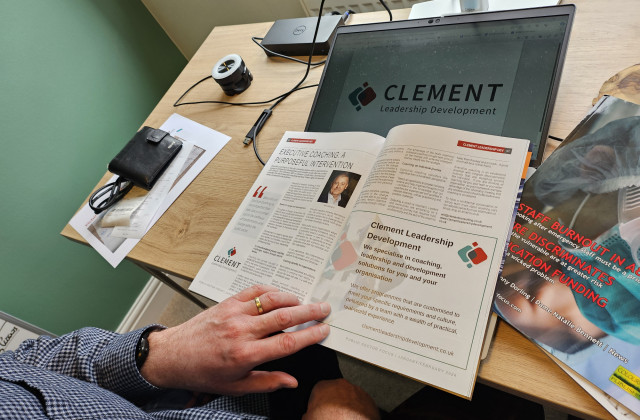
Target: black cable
[
  {"x": 347, "y": 15},
  {"x": 112, "y": 193},
  {"x": 279, "y": 98},
  {"x": 387, "y": 9},
  {"x": 176, "y": 104},
  {"x": 253, "y": 133},
  {"x": 313, "y": 45},
  {"x": 555, "y": 138},
  {"x": 255, "y": 39}
]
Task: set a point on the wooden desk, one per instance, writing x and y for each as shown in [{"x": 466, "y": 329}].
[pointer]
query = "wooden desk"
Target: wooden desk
[{"x": 604, "y": 41}]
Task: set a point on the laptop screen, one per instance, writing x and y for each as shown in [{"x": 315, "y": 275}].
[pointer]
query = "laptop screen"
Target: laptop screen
[{"x": 493, "y": 73}]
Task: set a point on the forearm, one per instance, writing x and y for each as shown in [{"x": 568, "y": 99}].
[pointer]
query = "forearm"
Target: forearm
[{"x": 93, "y": 355}]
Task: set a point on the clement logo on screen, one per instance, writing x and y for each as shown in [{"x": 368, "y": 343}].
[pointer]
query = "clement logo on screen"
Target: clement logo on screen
[
  {"x": 472, "y": 254},
  {"x": 362, "y": 96}
]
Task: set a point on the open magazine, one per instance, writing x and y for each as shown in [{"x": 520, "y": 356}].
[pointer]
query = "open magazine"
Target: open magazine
[
  {"x": 571, "y": 278},
  {"x": 404, "y": 236}
]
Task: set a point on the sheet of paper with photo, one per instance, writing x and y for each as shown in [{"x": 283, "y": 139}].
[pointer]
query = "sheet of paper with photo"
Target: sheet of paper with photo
[{"x": 204, "y": 144}]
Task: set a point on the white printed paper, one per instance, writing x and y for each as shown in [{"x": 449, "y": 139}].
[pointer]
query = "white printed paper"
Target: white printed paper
[
  {"x": 206, "y": 145},
  {"x": 142, "y": 216}
]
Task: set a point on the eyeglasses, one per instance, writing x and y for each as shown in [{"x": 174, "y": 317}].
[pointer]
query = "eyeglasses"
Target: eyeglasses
[{"x": 113, "y": 191}]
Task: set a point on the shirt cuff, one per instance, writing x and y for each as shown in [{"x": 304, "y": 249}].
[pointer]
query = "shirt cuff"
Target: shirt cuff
[{"x": 119, "y": 371}]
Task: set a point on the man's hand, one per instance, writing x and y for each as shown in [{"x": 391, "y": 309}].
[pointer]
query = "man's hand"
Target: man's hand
[
  {"x": 339, "y": 399},
  {"x": 215, "y": 351}
]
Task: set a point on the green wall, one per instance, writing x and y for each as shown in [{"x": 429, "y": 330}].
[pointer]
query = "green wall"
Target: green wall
[{"x": 77, "y": 79}]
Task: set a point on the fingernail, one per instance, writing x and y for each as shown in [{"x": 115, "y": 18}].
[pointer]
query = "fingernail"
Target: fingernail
[
  {"x": 325, "y": 308},
  {"x": 324, "y": 329},
  {"x": 292, "y": 384}
]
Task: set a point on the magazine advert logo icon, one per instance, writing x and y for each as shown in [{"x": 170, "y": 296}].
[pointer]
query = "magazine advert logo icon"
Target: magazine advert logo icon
[
  {"x": 362, "y": 96},
  {"x": 228, "y": 262},
  {"x": 472, "y": 254},
  {"x": 344, "y": 255}
]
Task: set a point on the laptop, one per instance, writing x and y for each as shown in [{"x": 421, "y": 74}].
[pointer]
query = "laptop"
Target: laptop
[{"x": 492, "y": 72}]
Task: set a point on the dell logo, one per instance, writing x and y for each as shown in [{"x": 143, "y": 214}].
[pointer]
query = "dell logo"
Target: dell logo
[{"x": 299, "y": 30}]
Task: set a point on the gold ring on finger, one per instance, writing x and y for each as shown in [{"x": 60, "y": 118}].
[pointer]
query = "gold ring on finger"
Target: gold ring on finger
[{"x": 258, "y": 305}]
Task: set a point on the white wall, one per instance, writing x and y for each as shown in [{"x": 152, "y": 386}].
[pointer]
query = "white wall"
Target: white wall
[{"x": 189, "y": 22}]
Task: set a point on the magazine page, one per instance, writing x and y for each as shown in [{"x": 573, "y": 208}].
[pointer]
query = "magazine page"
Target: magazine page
[
  {"x": 411, "y": 278},
  {"x": 617, "y": 410},
  {"x": 571, "y": 279},
  {"x": 285, "y": 227}
]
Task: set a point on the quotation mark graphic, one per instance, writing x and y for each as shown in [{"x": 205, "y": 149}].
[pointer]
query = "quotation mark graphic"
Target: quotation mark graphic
[
  {"x": 362, "y": 96},
  {"x": 472, "y": 254},
  {"x": 259, "y": 193}
]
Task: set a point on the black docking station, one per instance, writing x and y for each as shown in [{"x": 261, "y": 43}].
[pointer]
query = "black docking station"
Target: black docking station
[{"x": 294, "y": 36}]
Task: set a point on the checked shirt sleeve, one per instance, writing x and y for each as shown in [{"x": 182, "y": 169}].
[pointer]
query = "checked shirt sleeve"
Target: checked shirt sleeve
[{"x": 93, "y": 355}]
